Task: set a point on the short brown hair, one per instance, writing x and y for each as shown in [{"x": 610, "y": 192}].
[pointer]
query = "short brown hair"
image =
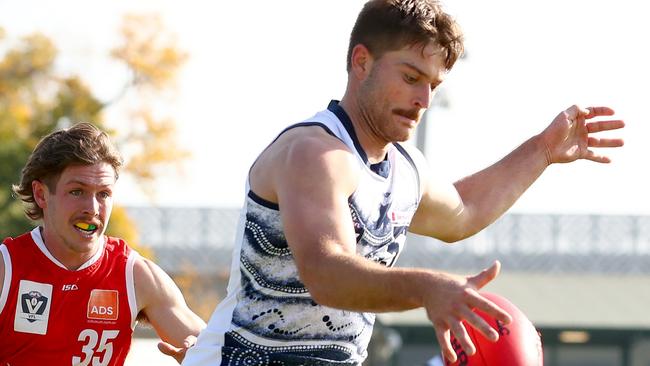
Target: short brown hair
[
  {"x": 390, "y": 25},
  {"x": 81, "y": 144}
]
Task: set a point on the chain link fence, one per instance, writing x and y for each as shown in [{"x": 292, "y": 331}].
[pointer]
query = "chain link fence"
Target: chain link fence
[
  {"x": 544, "y": 243},
  {"x": 203, "y": 239}
]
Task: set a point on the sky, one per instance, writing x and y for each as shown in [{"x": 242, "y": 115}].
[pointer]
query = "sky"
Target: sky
[{"x": 255, "y": 67}]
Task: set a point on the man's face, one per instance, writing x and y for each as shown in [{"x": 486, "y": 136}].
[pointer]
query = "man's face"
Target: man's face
[
  {"x": 76, "y": 213},
  {"x": 399, "y": 88}
]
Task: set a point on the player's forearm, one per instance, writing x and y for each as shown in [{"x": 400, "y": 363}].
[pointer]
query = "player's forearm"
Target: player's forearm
[
  {"x": 489, "y": 193},
  {"x": 175, "y": 323},
  {"x": 354, "y": 283}
]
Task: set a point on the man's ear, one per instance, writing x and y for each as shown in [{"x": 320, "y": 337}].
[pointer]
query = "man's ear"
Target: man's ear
[
  {"x": 361, "y": 61},
  {"x": 40, "y": 191}
]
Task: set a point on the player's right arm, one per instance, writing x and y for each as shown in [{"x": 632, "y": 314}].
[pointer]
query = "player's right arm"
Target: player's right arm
[{"x": 311, "y": 174}]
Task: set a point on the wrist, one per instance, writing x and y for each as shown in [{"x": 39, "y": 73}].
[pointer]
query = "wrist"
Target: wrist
[
  {"x": 422, "y": 284},
  {"x": 543, "y": 148}
]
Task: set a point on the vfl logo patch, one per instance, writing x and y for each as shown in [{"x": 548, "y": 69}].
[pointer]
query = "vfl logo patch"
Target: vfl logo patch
[
  {"x": 34, "y": 304},
  {"x": 33, "y": 307},
  {"x": 103, "y": 305}
]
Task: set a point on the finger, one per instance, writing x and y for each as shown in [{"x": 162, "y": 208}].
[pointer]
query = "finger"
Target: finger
[
  {"x": 599, "y": 111},
  {"x": 463, "y": 338},
  {"x": 444, "y": 342},
  {"x": 189, "y": 341},
  {"x": 480, "y": 325},
  {"x": 590, "y": 155},
  {"x": 168, "y": 349},
  {"x": 490, "y": 308},
  {"x": 596, "y": 142},
  {"x": 484, "y": 277},
  {"x": 599, "y": 126}
]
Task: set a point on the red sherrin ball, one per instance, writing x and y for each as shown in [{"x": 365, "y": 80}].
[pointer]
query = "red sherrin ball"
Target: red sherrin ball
[{"x": 519, "y": 343}]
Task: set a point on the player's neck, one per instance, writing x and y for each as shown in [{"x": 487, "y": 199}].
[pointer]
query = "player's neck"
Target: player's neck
[
  {"x": 71, "y": 258},
  {"x": 374, "y": 146}
]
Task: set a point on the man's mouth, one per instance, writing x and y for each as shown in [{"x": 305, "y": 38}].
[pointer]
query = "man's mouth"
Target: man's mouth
[
  {"x": 85, "y": 228},
  {"x": 412, "y": 114}
]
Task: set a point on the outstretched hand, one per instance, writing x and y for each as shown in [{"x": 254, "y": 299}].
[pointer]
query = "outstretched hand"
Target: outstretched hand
[
  {"x": 177, "y": 353},
  {"x": 569, "y": 138},
  {"x": 453, "y": 301}
]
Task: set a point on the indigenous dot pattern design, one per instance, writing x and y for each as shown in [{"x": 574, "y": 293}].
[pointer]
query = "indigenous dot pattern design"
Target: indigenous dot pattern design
[
  {"x": 238, "y": 351},
  {"x": 274, "y": 320}
]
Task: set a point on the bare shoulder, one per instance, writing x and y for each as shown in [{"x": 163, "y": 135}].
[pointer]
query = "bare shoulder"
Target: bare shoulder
[
  {"x": 302, "y": 154},
  {"x": 161, "y": 303},
  {"x": 151, "y": 282},
  {"x": 147, "y": 273}
]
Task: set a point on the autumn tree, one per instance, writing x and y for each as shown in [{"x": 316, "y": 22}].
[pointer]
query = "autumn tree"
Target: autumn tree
[{"x": 35, "y": 99}]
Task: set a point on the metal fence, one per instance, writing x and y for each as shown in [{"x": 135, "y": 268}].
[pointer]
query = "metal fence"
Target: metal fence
[
  {"x": 200, "y": 237},
  {"x": 547, "y": 243},
  {"x": 203, "y": 238}
]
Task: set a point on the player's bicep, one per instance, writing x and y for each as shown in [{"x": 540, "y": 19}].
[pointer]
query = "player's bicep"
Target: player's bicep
[
  {"x": 313, "y": 189},
  {"x": 163, "y": 304}
]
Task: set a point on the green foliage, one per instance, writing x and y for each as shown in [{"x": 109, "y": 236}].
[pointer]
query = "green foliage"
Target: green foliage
[{"x": 35, "y": 100}]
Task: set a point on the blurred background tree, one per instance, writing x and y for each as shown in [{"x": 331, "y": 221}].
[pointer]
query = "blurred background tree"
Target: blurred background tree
[{"x": 36, "y": 98}]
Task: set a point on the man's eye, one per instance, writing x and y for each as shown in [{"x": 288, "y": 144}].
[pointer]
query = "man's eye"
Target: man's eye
[
  {"x": 76, "y": 192},
  {"x": 104, "y": 195},
  {"x": 410, "y": 79}
]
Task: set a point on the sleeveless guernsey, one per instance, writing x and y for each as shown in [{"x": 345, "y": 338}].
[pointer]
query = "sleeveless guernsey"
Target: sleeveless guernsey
[
  {"x": 268, "y": 316},
  {"x": 50, "y": 315}
]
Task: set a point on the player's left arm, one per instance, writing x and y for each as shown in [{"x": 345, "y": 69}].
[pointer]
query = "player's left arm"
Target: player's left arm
[
  {"x": 163, "y": 305},
  {"x": 479, "y": 199}
]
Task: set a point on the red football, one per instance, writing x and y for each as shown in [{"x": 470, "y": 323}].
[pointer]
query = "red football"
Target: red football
[{"x": 519, "y": 343}]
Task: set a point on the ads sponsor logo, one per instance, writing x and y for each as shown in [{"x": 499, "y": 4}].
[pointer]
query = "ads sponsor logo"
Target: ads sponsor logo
[
  {"x": 103, "y": 305},
  {"x": 33, "y": 307}
]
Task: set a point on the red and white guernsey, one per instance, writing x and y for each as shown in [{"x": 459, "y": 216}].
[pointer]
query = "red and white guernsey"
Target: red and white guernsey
[{"x": 53, "y": 316}]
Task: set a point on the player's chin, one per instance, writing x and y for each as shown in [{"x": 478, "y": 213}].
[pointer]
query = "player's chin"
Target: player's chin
[{"x": 404, "y": 135}]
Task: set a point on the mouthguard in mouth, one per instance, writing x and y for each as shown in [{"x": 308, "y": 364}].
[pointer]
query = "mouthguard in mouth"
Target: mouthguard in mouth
[{"x": 84, "y": 226}]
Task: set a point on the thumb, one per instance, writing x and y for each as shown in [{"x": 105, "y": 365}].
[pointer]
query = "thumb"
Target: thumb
[
  {"x": 167, "y": 348},
  {"x": 189, "y": 341},
  {"x": 485, "y": 276},
  {"x": 575, "y": 111}
]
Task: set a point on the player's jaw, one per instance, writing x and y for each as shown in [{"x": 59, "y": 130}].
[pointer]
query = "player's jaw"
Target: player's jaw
[
  {"x": 401, "y": 123},
  {"x": 408, "y": 117}
]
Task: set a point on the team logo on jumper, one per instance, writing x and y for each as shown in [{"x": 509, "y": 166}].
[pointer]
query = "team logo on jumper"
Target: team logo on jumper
[
  {"x": 33, "y": 307},
  {"x": 103, "y": 305}
]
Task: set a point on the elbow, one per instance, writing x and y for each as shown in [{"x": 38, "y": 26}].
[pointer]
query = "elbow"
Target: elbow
[
  {"x": 455, "y": 237},
  {"x": 321, "y": 293},
  {"x": 450, "y": 239},
  {"x": 321, "y": 282},
  {"x": 321, "y": 298}
]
